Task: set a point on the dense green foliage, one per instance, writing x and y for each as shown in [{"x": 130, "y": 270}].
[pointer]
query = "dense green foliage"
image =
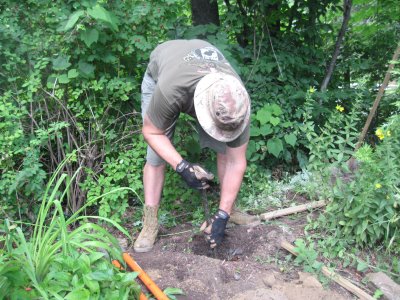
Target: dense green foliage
[
  {"x": 59, "y": 263},
  {"x": 70, "y": 74}
]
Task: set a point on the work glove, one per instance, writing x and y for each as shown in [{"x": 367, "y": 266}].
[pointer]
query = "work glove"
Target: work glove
[
  {"x": 195, "y": 176},
  {"x": 214, "y": 229}
]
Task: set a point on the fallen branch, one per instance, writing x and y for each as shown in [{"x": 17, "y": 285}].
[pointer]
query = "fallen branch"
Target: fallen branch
[
  {"x": 335, "y": 277},
  {"x": 291, "y": 210}
]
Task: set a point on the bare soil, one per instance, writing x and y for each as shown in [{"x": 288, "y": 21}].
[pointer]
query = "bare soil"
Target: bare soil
[{"x": 248, "y": 265}]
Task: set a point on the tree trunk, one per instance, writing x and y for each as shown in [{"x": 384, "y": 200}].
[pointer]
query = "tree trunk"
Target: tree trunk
[
  {"x": 346, "y": 16},
  {"x": 205, "y": 12}
]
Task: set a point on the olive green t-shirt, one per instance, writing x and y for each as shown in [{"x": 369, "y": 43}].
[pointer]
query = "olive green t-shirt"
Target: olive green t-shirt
[{"x": 176, "y": 67}]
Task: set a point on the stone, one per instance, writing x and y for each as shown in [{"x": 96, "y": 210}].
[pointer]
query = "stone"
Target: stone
[
  {"x": 269, "y": 280},
  {"x": 307, "y": 280},
  {"x": 389, "y": 288}
]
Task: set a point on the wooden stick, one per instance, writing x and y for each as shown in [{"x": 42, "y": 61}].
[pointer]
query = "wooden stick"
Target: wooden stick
[
  {"x": 291, "y": 210},
  {"x": 148, "y": 282},
  {"x": 335, "y": 277},
  {"x": 377, "y": 99}
]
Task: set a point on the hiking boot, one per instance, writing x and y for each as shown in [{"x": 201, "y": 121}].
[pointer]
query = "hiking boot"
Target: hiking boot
[
  {"x": 241, "y": 218},
  {"x": 147, "y": 236}
]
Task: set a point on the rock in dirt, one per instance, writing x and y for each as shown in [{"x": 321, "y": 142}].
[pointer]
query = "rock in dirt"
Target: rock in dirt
[
  {"x": 307, "y": 280},
  {"x": 269, "y": 280},
  {"x": 389, "y": 288}
]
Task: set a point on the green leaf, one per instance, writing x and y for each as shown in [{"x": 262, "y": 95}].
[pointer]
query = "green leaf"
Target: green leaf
[
  {"x": 61, "y": 63},
  {"x": 73, "y": 18},
  {"x": 101, "y": 275},
  {"x": 73, "y": 73},
  {"x": 266, "y": 129},
  {"x": 274, "y": 121},
  {"x": 275, "y": 146},
  {"x": 63, "y": 78},
  {"x": 89, "y": 37},
  {"x": 86, "y": 69},
  {"x": 290, "y": 139},
  {"x": 263, "y": 116},
  {"x": 362, "y": 266},
  {"x": 171, "y": 292},
  {"x": 254, "y": 131},
  {"x": 276, "y": 110},
  {"x": 100, "y": 13},
  {"x": 79, "y": 294}
]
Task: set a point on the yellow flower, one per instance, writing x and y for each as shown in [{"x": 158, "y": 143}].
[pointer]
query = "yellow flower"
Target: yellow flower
[
  {"x": 339, "y": 108},
  {"x": 379, "y": 133},
  {"x": 378, "y": 185},
  {"x": 388, "y": 133},
  {"x": 312, "y": 89}
]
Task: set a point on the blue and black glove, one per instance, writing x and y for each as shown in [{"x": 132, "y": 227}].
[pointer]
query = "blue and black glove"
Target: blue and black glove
[
  {"x": 214, "y": 229},
  {"x": 194, "y": 175}
]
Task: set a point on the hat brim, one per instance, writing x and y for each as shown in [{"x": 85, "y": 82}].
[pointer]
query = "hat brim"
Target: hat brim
[{"x": 202, "y": 99}]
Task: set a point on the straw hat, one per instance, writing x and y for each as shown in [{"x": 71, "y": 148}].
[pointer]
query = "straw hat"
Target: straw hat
[{"x": 222, "y": 106}]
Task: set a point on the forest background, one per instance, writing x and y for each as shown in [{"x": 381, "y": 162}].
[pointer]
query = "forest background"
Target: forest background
[{"x": 70, "y": 119}]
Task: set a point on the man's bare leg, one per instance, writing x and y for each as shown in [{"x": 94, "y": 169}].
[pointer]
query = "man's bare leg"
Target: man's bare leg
[{"x": 153, "y": 181}]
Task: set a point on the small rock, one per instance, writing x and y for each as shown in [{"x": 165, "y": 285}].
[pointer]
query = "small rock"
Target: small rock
[
  {"x": 237, "y": 276},
  {"x": 269, "y": 280},
  {"x": 389, "y": 288},
  {"x": 309, "y": 280},
  {"x": 272, "y": 235}
]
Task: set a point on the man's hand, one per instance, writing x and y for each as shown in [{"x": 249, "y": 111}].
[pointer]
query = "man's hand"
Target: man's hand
[
  {"x": 195, "y": 176},
  {"x": 214, "y": 229}
]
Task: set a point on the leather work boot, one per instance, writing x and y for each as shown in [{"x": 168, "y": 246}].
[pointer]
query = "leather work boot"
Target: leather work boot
[
  {"x": 241, "y": 218},
  {"x": 147, "y": 236}
]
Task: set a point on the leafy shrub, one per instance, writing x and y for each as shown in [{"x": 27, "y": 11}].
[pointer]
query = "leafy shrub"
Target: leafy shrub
[
  {"x": 366, "y": 209},
  {"x": 60, "y": 259}
]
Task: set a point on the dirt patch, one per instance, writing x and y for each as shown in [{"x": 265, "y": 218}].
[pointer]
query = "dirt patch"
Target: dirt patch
[{"x": 248, "y": 265}]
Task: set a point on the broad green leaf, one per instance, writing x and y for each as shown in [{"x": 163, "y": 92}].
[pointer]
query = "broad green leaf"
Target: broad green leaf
[
  {"x": 79, "y": 294},
  {"x": 63, "y": 78},
  {"x": 61, "y": 63},
  {"x": 275, "y": 146},
  {"x": 266, "y": 129},
  {"x": 290, "y": 139},
  {"x": 128, "y": 277},
  {"x": 86, "y": 69},
  {"x": 100, "y": 13},
  {"x": 362, "y": 266},
  {"x": 93, "y": 285},
  {"x": 94, "y": 256},
  {"x": 276, "y": 110},
  {"x": 90, "y": 36},
  {"x": 101, "y": 275},
  {"x": 274, "y": 121},
  {"x": 73, "y": 73},
  {"x": 255, "y": 131},
  {"x": 73, "y": 18},
  {"x": 263, "y": 116}
]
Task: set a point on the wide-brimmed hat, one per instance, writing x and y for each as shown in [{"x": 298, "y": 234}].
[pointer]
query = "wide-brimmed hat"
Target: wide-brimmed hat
[{"x": 222, "y": 106}]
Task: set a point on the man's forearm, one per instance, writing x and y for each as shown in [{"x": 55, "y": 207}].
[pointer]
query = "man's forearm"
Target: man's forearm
[
  {"x": 164, "y": 148},
  {"x": 160, "y": 143},
  {"x": 234, "y": 167}
]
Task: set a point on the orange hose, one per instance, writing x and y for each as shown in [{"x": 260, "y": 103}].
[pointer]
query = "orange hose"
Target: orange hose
[
  {"x": 148, "y": 282},
  {"x": 117, "y": 264}
]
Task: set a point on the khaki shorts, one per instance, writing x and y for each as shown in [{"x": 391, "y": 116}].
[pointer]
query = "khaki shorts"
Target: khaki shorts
[{"x": 148, "y": 86}]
